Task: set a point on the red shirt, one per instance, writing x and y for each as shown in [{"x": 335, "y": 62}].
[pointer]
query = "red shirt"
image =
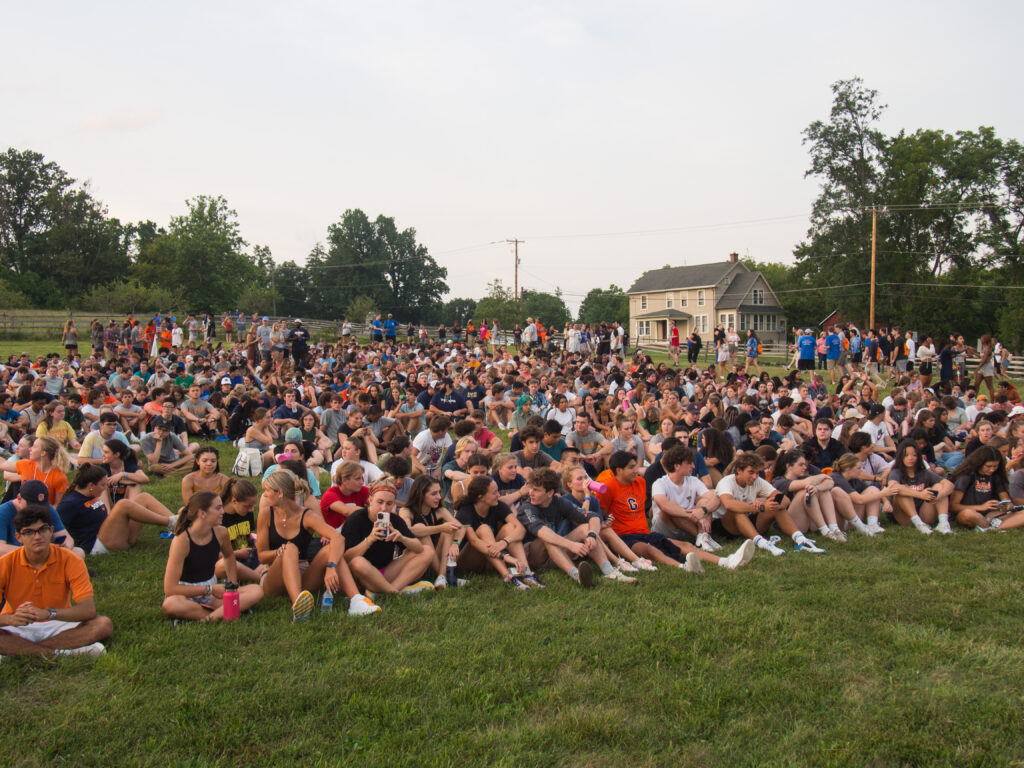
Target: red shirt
[{"x": 334, "y": 494}]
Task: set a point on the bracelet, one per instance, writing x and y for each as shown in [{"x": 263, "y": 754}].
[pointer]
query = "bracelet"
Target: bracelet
[
  {"x": 332, "y": 565},
  {"x": 209, "y": 590},
  {"x": 507, "y": 544}
]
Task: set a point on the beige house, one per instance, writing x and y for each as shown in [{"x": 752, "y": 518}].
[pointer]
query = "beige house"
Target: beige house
[{"x": 701, "y": 296}]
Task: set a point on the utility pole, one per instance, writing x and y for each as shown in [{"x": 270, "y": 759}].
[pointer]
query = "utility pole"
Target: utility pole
[
  {"x": 874, "y": 239},
  {"x": 515, "y": 289}
]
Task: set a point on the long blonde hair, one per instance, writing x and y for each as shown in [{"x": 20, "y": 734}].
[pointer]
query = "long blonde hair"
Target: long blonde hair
[
  {"x": 289, "y": 484},
  {"x": 56, "y": 452}
]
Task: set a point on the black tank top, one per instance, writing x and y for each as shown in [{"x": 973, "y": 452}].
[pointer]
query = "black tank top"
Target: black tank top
[
  {"x": 200, "y": 561},
  {"x": 301, "y": 539}
]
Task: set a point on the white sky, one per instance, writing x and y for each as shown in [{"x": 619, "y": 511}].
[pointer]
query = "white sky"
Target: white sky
[{"x": 550, "y": 121}]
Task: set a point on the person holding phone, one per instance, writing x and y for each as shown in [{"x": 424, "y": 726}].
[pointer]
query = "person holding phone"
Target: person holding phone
[
  {"x": 981, "y": 497},
  {"x": 371, "y": 536},
  {"x": 922, "y": 497}
]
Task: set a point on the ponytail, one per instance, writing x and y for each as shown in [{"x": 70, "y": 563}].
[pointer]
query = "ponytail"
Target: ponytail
[{"x": 199, "y": 502}]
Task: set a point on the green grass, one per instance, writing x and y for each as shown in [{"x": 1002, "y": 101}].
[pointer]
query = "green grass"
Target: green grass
[{"x": 897, "y": 650}]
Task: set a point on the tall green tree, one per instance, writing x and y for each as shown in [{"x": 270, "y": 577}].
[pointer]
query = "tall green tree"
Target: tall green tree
[
  {"x": 548, "y": 307},
  {"x": 604, "y": 305}
]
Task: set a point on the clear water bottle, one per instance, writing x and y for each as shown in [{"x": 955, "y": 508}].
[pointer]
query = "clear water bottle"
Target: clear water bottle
[
  {"x": 327, "y": 602},
  {"x": 450, "y": 575}
]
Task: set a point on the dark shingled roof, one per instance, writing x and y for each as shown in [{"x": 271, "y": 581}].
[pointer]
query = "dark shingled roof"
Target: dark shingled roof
[
  {"x": 671, "y": 314},
  {"x": 741, "y": 284},
  {"x": 670, "y": 278}
]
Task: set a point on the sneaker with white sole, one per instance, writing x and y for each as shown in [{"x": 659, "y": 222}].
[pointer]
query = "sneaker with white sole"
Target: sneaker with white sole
[
  {"x": 770, "y": 545},
  {"x": 703, "y": 542},
  {"x": 835, "y": 535},
  {"x": 808, "y": 546},
  {"x": 532, "y": 581},
  {"x": 440, "y": 582},
  {"x": 515, "y": 583},
  {"x": 419, "y": 586},
  {"x": 943, "y": 527},
  {"x": 619, "y": 576},
  {"x": 585, "y": 575},
  {"x": 93, "y": 650},
  {"x": 303, "y": 606},
  {"x": 995, "y": 522},
  {"x": 361, "y": 605},
  {"x": 923, "y": 528},
  {"x": 643, "y": 564},
  {"x": 693, "y": 564},
  {"x": 741, "y": 556},
  {"x": 627, "y": 567},
  {"x": 172, "y": 522},
  {"x": 875, "y": 528}
]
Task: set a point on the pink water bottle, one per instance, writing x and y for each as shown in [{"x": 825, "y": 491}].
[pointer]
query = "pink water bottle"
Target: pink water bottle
[
  {"x": 595, "y": 487},
  {"x": 230, "y": 601}
]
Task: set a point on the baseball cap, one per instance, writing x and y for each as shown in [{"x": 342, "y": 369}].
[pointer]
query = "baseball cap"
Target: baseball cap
[
  {"x": 225, "y": 380},
  {"x": 266, "y": 319},
  {"x": 693, "y": 408},
  {"x": 34, "y": 492},
  {"x": 851, "y": 413},
  {"x": 1017, "y": 410},
  {"x": 299, "y": 322},
  {"x": 293, "y": 433},
  {"x": 877, "y": 409}
]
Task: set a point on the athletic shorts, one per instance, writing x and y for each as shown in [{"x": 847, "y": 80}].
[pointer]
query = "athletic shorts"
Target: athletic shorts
[
  {"x": 204, "y": 600},
  {"x": 805, "y": 364},
  {"x": 831, "y": 363},
  {"x": 857, "y": 357},
  {"x": 656, "y": 540},
  {"x": 38, "y": 631},
  {"x": 98, "y": 548}
]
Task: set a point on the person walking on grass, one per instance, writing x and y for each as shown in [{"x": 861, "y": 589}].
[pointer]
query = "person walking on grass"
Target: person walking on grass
[
  {"x": 191, "y": 591},
  {"x": 284, "y": 531},
  {"x": 38, "y": 618}
]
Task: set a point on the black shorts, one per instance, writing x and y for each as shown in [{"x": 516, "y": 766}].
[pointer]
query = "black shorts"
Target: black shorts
[
  {"x": 656, "y": 540},
  {"x": 805, "y": 364},
  {"x": 857, "y": 357},
  {"x": 926, "y": 369}
]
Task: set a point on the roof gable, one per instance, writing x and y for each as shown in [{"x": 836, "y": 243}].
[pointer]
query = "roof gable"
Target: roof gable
[
  {"x": 693, "y": 276},
  {"x": 739, "y": 288}
]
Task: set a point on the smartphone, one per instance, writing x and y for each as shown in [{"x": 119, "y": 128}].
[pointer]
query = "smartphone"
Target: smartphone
[
  {"x": 384, "y": 520},
  {"x": 778, "y": 497}
]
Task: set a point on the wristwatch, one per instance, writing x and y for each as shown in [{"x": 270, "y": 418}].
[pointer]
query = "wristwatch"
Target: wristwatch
[
  {"x": 332, "y": 565},
  {"x": 52, "y": 612}
]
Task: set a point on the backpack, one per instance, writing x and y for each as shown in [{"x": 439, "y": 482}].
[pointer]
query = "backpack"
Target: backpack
[
  {"x": 759, "y": 350},
  {"x": 248, "y": 463}
]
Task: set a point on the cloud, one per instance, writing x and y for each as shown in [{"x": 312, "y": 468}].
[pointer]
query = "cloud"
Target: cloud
[{"x": 124, "y": 119}]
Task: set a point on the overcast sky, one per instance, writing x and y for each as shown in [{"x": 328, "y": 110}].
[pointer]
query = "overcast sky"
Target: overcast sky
[{"x": 611, "y": 137}]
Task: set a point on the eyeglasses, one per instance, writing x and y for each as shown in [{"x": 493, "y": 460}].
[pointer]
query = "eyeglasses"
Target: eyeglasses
[{"x": 28, "y": 533}]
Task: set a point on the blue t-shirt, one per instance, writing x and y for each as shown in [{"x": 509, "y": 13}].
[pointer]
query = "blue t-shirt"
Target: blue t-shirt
[
  {"x": 7, "y": 513},
  {"x": 832, "y": 347},
  {"x": 807, "y": 346},
  {"x": 751, "y": 347}
]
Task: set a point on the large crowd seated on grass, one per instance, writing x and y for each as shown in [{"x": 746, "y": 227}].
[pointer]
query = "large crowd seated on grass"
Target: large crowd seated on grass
[{"x": 370, "y": 468}]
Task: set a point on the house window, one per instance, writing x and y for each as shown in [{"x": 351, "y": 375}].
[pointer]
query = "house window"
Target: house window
[
  {"x": 743, "y": 322},
  {"x": 727, "y": 319},
  {"x": 643, "y": 302},
  {"x": 758, "y": 297},
  {"x": 643, "y": 328},
  {"x": 764, "y": 322},
  {"x": 668, "y": 302},
  {"x": 700, "y": 298},
  {"x": 682, "y": 299},
  {"x": 701, "y": 323}
]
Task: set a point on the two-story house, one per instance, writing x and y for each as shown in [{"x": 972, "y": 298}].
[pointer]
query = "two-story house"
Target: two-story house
[{"x": 701, "y": 296}]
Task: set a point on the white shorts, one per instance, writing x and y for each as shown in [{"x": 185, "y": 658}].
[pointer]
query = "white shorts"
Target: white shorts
[
  {"x": 98, "y": 548},
  {"x": 38, "y": 631}
]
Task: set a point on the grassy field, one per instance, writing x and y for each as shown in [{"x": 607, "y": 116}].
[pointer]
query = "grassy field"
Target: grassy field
[{"x": 899, "y": 650}]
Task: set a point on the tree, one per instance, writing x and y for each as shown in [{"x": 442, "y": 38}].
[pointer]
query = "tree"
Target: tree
[
  {"x": 290, "y": 282},
  {"x": 131, "y": 296},
  {"x": 361, "y": 310},
  {"x": 456, "y": 309},
  {"x": 498, "y": 303},
  {"x": 604, "y": 305},
  {"x": 549, "y": 308},
  {"x": 377, "y": 260}
]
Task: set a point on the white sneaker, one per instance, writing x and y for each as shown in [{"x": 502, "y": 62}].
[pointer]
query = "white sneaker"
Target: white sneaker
[
  {"x": 94, "y": 650},
  {"x": 644, "y": 564},
  {"x": 943, "y": 527},
  {"x": 835, "y": 535},
  {"x": 741, "y": 556},
  {"x": 627, "y": 567},
  {"x": 806, "y": 545},
  {"x": 617, "y": 575},
  {"x": 172, "y": 522},
  {"x": 440, "y": 582},
  {"x": 419, "y": 586},
  {"x": 923, "y": 528},
  {"x": 769, "y": 546},
  {"x": 875, "y": 528},
  {"x": 360, "y": 605},
  {"x": 693, "y": 564}
]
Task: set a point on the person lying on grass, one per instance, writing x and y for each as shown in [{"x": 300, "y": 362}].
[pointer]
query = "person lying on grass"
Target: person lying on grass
[
  {"x": 494, "y": 534},
  {"x": 623, "y": 501},
  {"x": 432, "y": 524},
  {"x": 576, "y": 480},
  {"x": 191, "y": 591},
  {"x": 750, "y": 505},
  {"x": 981, "y": 497},
  {"x": 38, "y": 617},
  {"x": 284, "y": 532},
  {"x": 372, "y": 534},
  {"x": 100, "y": 527},
  {"x": 559, "y": 531},
  {"x": 922, "y": 497}
]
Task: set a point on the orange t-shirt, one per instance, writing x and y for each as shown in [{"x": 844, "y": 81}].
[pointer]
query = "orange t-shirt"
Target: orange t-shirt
[
  {"x": 55, "y": 480},
  {"x": 625, "y": 503},
  {"x": 63, "y": 576}
]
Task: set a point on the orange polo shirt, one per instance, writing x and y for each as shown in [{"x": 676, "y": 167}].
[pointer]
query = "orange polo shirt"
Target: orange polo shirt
[
  {"x": 62, "y": 577},
  {"x": 625, "y": 503}
]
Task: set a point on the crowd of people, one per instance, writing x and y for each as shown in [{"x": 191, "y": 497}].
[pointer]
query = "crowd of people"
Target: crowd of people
[{"x": 390, "y": 467}]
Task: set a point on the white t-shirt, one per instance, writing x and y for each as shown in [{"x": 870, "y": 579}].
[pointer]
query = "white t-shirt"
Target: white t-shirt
[
  {"x": 685, "y": 495},
  {"x": 431, "y": 451},
  {"x": 371, "y": 473},
  {"x": 877, "y": 432},
  {"x": 759, "y": 489}
]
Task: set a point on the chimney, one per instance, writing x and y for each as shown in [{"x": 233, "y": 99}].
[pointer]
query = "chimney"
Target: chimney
[{"x": 733, "y": 257}]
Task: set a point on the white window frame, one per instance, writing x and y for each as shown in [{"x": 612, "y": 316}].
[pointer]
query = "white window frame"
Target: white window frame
[
  {"x": 758, "y": 296},
  {"x": 643, "y": 328},
  {"x": 668, "y": 301},
  {"x": 643, "y": 302},
  {"x": 700, "y": 323},
  {"x": 682, "y": 299},
  {"x": 743, "y": 322},
  {"x": 700, "y": 298}
]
